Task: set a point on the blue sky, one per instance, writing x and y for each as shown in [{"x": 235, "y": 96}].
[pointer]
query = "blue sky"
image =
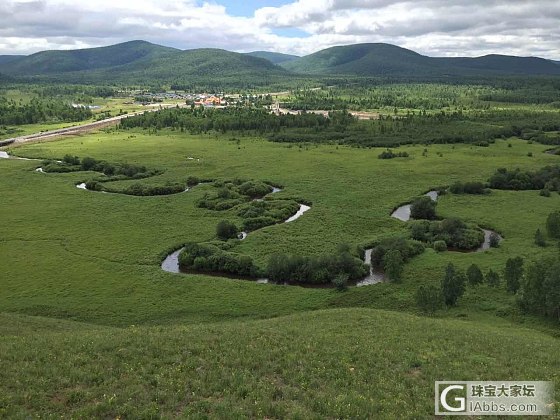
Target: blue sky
[
  {"x": 247, "y": 7},
  {"x": 430, "y": 27}
]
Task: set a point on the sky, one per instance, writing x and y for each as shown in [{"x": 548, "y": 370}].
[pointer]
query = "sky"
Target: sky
[{"x": 300, "y": 27}]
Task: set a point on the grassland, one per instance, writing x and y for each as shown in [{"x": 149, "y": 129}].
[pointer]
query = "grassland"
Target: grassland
[
  {"x": 353, "y": 363},
  {"x": 85, "y": 257}
]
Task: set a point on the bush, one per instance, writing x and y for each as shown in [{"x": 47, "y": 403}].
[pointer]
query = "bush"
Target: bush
[
  {"x": 440, "y": 246},
  {"x": 492, "y": 278},
  {"x": 539, "y": 238},
  {"x": 553, "y": 225},
  {"x": 452, "y": 285},
  {"x": 454, "y": 232},
  {"x": 513, "y": 274},
  {"x": 545, "y": 192},
  {"x": 341, "y": 282},
  {"x": 389, "y": 154},
  {"x": 407, "y": 248},
  {"x": 423, "y": 208},
  {"x": 429, "y": 299},
  {"x": 468, "y": 188},
  {"x": 321, "y": 269},
  {"x": 71, "y": 160},
  {"x": 208, "y": 257},
  {"x": 494, "y": 240},
  {"x": 393, "y": 264},
  {"x": 474, "y": 275},
  {"x": 255, "y": 189},
  {"x": 88, "y": 163},
  {"x": 226, "y": 230},
  {"x": 192, "y": 181}
]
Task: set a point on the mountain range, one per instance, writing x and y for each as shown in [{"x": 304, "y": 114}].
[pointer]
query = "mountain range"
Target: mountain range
[{"x": 144, "y": 62}]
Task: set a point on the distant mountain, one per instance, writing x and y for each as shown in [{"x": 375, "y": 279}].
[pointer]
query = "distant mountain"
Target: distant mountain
[
  {"x": 205, "y": 64},
  {"x": 390, "y": 60},
  {"x": 140, "y": 62},
  {"x": 57, "y": 62},
  {"x": 143, "y": 62},
  {"x": 505, "y": 64},
  {"x": 9, "y": 58},
  {"x": 273, "y": 57}
]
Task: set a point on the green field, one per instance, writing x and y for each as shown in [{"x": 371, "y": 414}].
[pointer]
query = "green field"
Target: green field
[{"x": 88, "y": 265}]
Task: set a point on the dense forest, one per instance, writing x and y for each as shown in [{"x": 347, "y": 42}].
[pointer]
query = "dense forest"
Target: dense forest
[
  {"x": 341, "y": 128},
  {"x": 40, "y": 111}
]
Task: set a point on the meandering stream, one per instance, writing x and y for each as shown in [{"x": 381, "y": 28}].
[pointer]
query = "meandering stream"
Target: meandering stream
[{"x": 403, "y": 213}]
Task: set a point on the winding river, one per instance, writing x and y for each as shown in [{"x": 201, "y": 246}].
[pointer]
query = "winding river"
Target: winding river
[{"x": 403, "y": 213}]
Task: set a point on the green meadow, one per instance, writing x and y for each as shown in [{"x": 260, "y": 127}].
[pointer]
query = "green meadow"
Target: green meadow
[{"x": 92, "y": 327}]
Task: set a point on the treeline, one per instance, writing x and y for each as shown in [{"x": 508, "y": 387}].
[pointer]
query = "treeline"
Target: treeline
[
  {"x": 114, "y": 172},
  {"x": 339, "y": 127},
  {"x": 40, "y": 111},
  {"x": 210, "y": 257},
  {"x": 546, "y": 178},
  {"x": 201, "y": 120},
  {"x": 74, "y": 164},
  {"x": 341, "y": 266}
]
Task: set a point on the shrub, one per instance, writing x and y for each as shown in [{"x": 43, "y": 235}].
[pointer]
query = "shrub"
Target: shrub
[
  {"x": 553, "y": 225},
  {"x": 226, "y": 230},
  {"x": 468, "y": 188},
  {"x": 513, "y": 274},
  {"x": 429, "y": 299},
  {"x": 88, "y": 163},
  {"x": 474, "y": 275},
  {"x": 254, "y": 189},
  {"x": 492, "y": 278},
  {"x": 408, "y": 249},
  {"x": 192, "y": 181},
  {"x": 341, "y": 282},
  {"x": 389, "y": 154},
  {"x": 393, "y": 264},
  {"x": 208, "y": 257},
  {"x": 440, "y": 246},
  {"x": 423, "y": 208},
  {"x": 71, "y": 160},
  {"x": 454, "y": 232},
  {"x": 539, "y": 238},
  {"x": 452, "y": 285},
  {"x": 545, "y": 192},
  {"x": 494, "y": 240},
  {"x": 322, "y": 269}
]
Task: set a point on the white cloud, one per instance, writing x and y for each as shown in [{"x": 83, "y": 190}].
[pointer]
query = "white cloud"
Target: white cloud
[{"x": 433, "y": 27}]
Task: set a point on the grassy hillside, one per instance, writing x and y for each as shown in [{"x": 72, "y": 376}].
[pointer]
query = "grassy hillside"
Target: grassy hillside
[
  {"x": 354, "y": 363},
  {"x": 273, "y": 57},
  {"x": 390, "y": 60},
  {"x": 58, "y": 62}
]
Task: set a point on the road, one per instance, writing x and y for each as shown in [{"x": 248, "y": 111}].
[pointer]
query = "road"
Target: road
[{"x": 78, "y": 129}]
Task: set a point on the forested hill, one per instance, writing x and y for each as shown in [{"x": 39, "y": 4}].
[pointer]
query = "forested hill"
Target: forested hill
[
  {"x": 273, "y": 57},
  {"x": 58, "y": 62},
  {"x": 140, "y": 62},
  {"x": 9, "y": 58},
  {"x": 390, "y": 60}
]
